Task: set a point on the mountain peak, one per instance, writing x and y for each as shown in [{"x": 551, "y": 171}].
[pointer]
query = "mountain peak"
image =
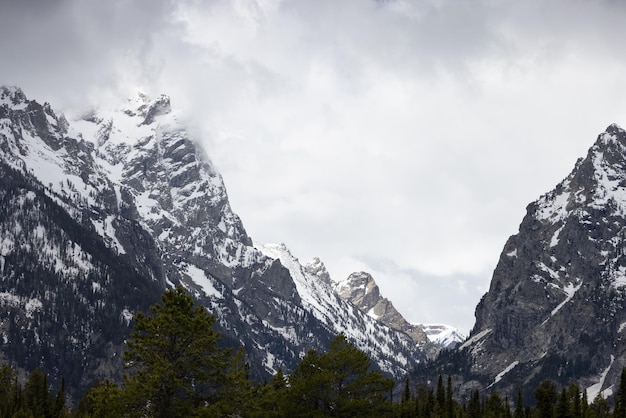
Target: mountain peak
[
  {"x": 144, "y": 107},
  {"x": 614, "y": 128},
  {"x": 317, "y": 268},
  {"x": 557, "y": 294},
  {"x": 12, "y": 96},
  {"x": 361, "y": 289},
  {"x": 443, "y": 335}
]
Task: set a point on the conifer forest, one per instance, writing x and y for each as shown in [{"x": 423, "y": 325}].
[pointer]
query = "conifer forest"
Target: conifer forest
[{"x": 176, "y": 367}]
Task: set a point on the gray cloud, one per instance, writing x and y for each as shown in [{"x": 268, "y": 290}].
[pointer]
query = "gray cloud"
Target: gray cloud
[
  {"x": 409, "y": 131},
  {"x": 61, "y": 49}
]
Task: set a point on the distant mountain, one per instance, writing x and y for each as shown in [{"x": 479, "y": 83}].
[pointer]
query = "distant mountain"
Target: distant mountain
[
  {"x": 99, "y": 215},
  {"x": 443, "y": 336},
  {"x": 556, "y": 306},
  {"x": 361, "y": 290}
]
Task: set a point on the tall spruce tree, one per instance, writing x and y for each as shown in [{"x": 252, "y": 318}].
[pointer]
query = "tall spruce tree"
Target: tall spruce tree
[
  {"x": 338, "y": 383},
  {"x": 519, "y": 405},
  {"x": 175, "y": 366},
  {"x": 620, "y": 397},
  {"x": 546, "y": 396}
]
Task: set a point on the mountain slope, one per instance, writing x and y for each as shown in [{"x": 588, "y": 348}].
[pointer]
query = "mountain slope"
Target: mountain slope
[
  {"x": 102, "y": 213},
  {"x": 361, "y": 290},
  {"x": 556, "y": 304},
  {"x": 316, "y": 289}
]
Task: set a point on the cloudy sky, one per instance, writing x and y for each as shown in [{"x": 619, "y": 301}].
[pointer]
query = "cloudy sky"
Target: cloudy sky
[{"x": 400, "y": 137}]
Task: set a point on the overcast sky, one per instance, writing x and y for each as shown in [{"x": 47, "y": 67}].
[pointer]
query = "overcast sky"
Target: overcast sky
[{"x": 402, "y": 138}]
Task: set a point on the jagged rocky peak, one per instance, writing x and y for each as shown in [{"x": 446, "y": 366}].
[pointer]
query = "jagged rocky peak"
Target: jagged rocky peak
[
  {"x": 557, "y": 298},
  {"x": 317, "y": 268},
  {"x": 12, "y": 96},
  {"x": 174, "y": 183},
  {"x": 147, "y": 108},
  {"x": 596, "y": 181},
  {"x": 361, "y": 289},
  {"x": 39, "y": 120}
]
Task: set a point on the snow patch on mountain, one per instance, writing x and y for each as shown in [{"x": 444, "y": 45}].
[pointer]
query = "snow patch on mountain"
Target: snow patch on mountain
[
  {"x": 474, "y": 339},
  {"x": 505, "y": 371},
  {"x": 569, "y": 290},
  {"x": 106, "y": 230},
  {"x": 596, "y": 389},
  {"x": 199, "y": 277}
]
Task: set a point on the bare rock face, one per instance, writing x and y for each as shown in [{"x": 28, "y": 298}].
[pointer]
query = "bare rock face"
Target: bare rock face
[
  {"x": 361, "y": 290},
  {"x": 556, "y": 306}
]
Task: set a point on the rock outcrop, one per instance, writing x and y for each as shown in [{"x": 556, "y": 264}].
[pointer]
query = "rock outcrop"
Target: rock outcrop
[{"x": 556, "y": 305}]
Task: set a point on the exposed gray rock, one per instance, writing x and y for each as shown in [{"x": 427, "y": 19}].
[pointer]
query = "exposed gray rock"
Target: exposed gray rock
[
  {"x": 556, "y": 303},
  {"x": 361, "y": 290}
]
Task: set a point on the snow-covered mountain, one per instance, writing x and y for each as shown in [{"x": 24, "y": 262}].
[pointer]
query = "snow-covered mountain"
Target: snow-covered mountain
[
  {"x": 556, "y": 306},
  {"x": 443, "y": 336},
  {"x": 361, "y": 289},
  {"x": 102, "y": 213}
]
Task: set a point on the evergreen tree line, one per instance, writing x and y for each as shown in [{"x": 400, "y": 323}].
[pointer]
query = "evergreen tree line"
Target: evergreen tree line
[{"x": 175, "y": 368}]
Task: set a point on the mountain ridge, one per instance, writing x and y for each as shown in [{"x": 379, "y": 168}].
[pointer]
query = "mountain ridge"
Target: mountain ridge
[
  {"x": 555, "y": 305},
  {"x": 361, "y": 289},
  {"x": 135, "y": 182}
]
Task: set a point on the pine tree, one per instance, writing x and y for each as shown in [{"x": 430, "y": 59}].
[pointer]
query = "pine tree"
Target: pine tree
[
  {"x": 449, "y": 400},
  {"x": 272, "y": 396},
  {"x": 546, "y": 397},
  {"x": 620, "y": 397},
  {"x": 175, "y": 364},
  {"x": 406, "y": 395},
  {"x": 37, "y": 399},
  {"x": 440, "y": 396},
  {"x": 8, "y": 391},
  {"x": 519, "y": 405},
  {"x": 338, "y": 383},
  {"x": 237, "y": 398},
  {"x": 102, "y": 401},
  {"x": 406, "y": 407},
  {"x": 59, "y": 409},
  {"x": 575, "y": 401},
  {"x": 473, "y": 409},
  {"x": 494, "y": 408},
  {"x": 599, "y": 408},
  {"x": 562, "y": 407},
  {"x": 584, "y": 405}
]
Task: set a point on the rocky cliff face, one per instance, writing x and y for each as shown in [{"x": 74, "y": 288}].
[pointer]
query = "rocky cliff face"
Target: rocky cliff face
[
  {"x": 556, "y": 304},
  {"x": 100, "y": 214},
  {"x": 361, "y": 290}
]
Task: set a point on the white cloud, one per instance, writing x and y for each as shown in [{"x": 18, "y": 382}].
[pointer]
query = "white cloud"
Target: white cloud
[{"x": 410, "y": 131}]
